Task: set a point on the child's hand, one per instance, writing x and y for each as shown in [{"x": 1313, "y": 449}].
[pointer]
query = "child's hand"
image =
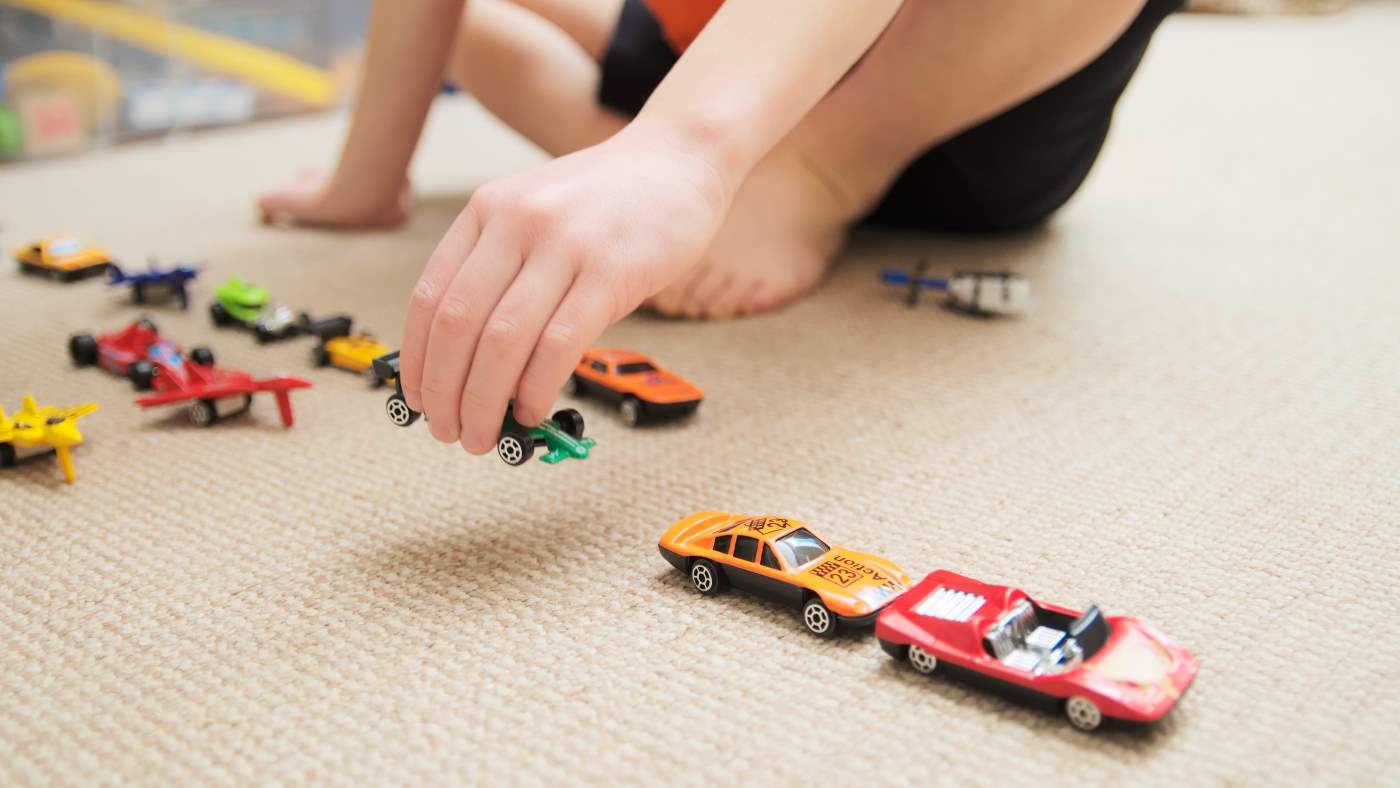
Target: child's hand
[
  {"x": 537, "y": 266},
  {"x": 320, "y": 202}
]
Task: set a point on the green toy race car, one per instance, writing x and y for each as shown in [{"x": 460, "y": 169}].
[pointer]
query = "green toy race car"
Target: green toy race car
[
  {"x": 561, "y": 434},
  {"x": 237, "y": 302}
]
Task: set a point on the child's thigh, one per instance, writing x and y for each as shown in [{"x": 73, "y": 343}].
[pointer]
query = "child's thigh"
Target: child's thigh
[{"x": 1015, "y": 169}]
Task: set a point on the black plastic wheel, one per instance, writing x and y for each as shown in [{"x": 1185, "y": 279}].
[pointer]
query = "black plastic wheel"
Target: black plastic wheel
[
  {"x": 142, "y": 373},
  {"x": 707, "y": 577},
  {"x": 515, "y": 447},
  {"x": 203, "y": 356},
  {"x": 818, "y": 618},
  {"x": 263, "y": 335},
  {"x": 138, "y": 293},
  {"x": 83, "y": 349},
  {"x": 319, "y": 356},
  {"x": 220, "y": 316},
  {"x": 570, "y": 421},
  {"x": 573, "y": 387},
  {"x": 399, "y": 412},
  {"x": 202, "y": 413},
  {"x": 631, "y": 410},
  {"x": 7, "y": 455}
]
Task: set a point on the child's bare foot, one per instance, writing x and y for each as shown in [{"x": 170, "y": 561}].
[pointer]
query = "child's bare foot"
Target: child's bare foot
[
  {"x": 314, "y": 201},
  {"x": 780, "y": 236}
]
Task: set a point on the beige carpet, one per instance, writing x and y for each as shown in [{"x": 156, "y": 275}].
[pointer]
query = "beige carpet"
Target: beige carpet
[{"x": 1197, "y": 426}]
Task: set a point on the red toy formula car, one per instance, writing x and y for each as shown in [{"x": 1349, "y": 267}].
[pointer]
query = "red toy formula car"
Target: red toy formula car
[
  {"x": 1092, "y": 666},
  {"x": 151, "y": 362}
]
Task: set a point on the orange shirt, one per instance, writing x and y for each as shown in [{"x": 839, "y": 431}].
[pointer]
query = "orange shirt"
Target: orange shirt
[{"x": 682, "y": 20}]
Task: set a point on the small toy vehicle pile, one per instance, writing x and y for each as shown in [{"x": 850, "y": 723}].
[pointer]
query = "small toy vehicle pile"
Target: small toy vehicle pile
[
  {"x": 640, "y": 389},
  {"x": 245, "y": 304},
  {"x": 140, "y": 354},
  {"x": 65, "y": 259},
  {"x": 336, "y": 346},
  {"x": 560, "y": 435}
]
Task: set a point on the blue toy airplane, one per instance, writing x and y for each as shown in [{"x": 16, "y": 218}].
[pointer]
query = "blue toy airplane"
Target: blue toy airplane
[
  {"x": 171, "y": 280},
  {"x": 975, "y": 292}
]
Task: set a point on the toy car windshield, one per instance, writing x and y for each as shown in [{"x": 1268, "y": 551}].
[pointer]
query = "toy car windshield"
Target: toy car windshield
[
  {"x": 635, "y": 368},
  {"x": 65, "y": 246},
  {"x": 801, "y": 547},
  {"x": 1090, "y": 631}
]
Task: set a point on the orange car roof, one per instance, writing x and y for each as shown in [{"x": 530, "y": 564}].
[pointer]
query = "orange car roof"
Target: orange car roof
[
  {"x": 762, "y": 525},
  {"x": 618, "y": 355}
]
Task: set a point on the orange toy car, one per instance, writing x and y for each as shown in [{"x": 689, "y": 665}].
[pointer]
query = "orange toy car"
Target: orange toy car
[
  {"x": 65, "y": 259},
  {"x": 640, "y": 389},
  {"x": 782, "y": 559}
]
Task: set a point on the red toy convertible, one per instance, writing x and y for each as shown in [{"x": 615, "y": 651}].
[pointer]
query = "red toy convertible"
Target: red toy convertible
[
  {"x": 1092, "y": 666},
  {"x": 151, "y": 362}
]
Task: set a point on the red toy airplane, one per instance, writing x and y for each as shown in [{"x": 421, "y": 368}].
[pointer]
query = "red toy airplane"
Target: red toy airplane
[{"x": 152, "y": 362}]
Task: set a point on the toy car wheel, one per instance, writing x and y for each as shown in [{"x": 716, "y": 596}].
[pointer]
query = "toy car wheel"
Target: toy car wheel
[
  {"x": 818, "y": 618},
  {"x": 138, "y": 293},
  {"x": 922, "y": 661},
  {"x": 142, "y": 373},
  {"x": 83, "y": 349},
  {"x": 399, "y": 411},
  {"x": 263, "y": 335},
  {"x": 570, "y": 421},
  {"x": 203, "y": 356},
  {"x": 1083, "y": 713},
  {"x": 148, "y": 325},
  {"x": 631, "y": 411},
  {"x": 372, "y": 379},
  {"x": 515, "y": 447},
  {"x": 572, "y": 387},
  {"x": 320, "y": 357},
  {"x": 707, "y": 578},
  {"x": 202, "y": 413},
  {"x": 219, "y": 315},
  {"x": 7, "y": 455}
]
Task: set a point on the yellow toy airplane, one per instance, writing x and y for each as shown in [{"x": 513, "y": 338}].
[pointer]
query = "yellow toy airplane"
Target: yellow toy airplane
[{"x": 34, "y": 430}]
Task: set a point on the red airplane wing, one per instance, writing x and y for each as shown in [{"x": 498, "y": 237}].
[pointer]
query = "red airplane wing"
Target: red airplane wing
[{"x": 232, "y": 383}]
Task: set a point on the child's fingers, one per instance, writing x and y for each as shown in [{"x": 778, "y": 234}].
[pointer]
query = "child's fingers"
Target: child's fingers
[
  {"x": 507, "y": 340},
  {"x": 456, "y": 327},
  {"x": 580, "y": 319},
  {"x": 443, "y": 265}
]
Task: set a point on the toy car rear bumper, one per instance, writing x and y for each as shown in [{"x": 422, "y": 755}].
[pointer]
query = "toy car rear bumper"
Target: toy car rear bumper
[{"x": 673, "y": 558}]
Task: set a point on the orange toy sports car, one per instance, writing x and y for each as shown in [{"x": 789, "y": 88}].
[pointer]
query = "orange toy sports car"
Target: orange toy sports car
[
  {"x": 782, "y": 559},
  {"x": 640, "y": 389},
  {"x": 62, "y": 258}
]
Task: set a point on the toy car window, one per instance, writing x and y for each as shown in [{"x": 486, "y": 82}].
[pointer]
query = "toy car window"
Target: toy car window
[
  {"x": 770, "y": 560},
  {"x": 635, "y": 368},
  {"x": 745, "y": 548},
  {"x": 722, "y": 543},
  {"x": 64, "y": 246},
  {"x": 801, "y": 547},
  {"x": 599, "y": 366}
]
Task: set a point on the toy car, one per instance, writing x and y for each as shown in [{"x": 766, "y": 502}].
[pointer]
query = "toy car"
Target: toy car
[
  {"x": 981, "y": 293},
  {"x": 237, "y": 302},
  {"x": 639, "y": 388},
  {"x": 1091, "y": 665},
  {"x": 149, "y": 361},
  {"x": 171, "y": 281},
  {"x": 784, "y": 560},
  {"x": 561, "y": 434},
  {"x": 35, "y": 429},
  {"x": 65, "y": 259},
  {"x": 336, "y": 346}
]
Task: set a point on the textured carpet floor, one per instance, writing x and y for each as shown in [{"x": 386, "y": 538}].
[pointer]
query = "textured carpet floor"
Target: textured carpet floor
[{"x": 1197, "y": 426}]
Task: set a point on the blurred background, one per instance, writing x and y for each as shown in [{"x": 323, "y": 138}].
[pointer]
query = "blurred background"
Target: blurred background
[{"x": 80, "y": 74}]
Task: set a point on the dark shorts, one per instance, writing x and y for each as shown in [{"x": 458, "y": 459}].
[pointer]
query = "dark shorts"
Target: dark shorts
[{"x": 1009, "y": 172}]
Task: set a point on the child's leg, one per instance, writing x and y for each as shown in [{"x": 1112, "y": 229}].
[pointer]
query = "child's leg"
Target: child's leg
[
  {"x": 940, "y": 69},
  {"x": 535, "y": 65}
]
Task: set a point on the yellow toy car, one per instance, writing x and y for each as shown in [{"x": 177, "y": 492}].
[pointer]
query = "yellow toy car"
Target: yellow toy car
[
  {"x": 65, "y": 259},
  {"x": 35, "y": 430},
  {"x": 336, "y": 346},
  {"x": 783, "y": 560}
]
